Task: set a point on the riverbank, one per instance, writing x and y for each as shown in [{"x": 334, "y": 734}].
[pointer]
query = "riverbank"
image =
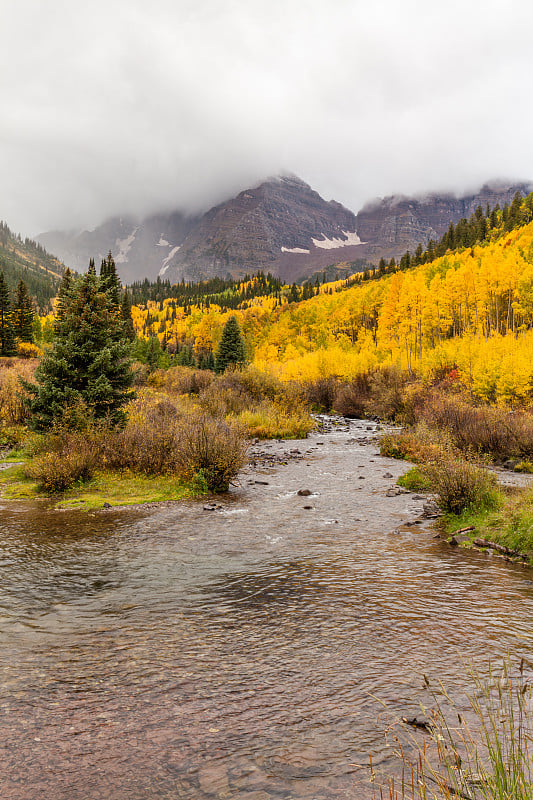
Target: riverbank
[
  {"x": 111, "y": 489},
  {"x": 482, "y": 506}
]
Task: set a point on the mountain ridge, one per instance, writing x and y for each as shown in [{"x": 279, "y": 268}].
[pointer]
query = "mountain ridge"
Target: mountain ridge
[{"x": 282, "y": 226}]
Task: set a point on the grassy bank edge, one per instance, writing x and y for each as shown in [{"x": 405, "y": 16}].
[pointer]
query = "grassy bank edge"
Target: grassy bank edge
[
  {"x": 508, "y": 523},
  {"x": 115, "y": 488}
]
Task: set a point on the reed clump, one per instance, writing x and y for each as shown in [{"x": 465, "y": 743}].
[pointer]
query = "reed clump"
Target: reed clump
[{"x": 482, "y": 752}]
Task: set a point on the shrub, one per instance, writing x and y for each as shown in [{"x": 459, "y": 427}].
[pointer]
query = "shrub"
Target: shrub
[
  {"x": 417, "y": 445},
  {"x": 148, "y": 443},
  {"x": 28, "y": 350},
  {"x": 56, "y": 471},
  {"x": 162, "y": 439},
  {"x": 180, "y": 380},
  {"x": 223, "y": 397},
  {"x": 353, "y": 399},
  {"x": 255, "y": 383},
  {"x": 387, "y": 388},
  {"x": 13, "y": 410},
  {"x": 212, "y": 449},
  {"x": 276, "y": 421},
  {"x": 322, "y": 393},
  {"x": 259, "y": 400},
  {"x": 494, "y": 431},
  {"x": 524, "y": 466},
  {"x": 459, "y": 485}
]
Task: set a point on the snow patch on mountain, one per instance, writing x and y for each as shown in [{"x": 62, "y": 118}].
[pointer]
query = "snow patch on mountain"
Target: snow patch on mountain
[
  {"x": 166, "y": 261},
  {"x": 124, "y": 246},
  {"x": 332, "y": 244},
  {"x": 294, "y": 250},
  {"x": 162, "y": 242}
]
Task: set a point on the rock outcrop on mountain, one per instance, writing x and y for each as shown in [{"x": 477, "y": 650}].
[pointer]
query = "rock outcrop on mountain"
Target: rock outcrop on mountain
[{"x": 281, "y": 226}]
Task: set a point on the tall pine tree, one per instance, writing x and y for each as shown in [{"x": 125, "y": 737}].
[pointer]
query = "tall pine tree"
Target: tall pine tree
[
  {"x": 64, "y": 296},
  {"x": 89, "y": 361},
  {"x": 7, "y": 333},
  {"x": 109, "y": 280},
  {"x": 231, "y": 348},
  {"x": 125, "y": 315},
  {"x": 23, "y": 314}
]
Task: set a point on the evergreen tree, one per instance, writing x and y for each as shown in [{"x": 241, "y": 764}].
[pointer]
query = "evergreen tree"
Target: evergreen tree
[
  {"x": 7, "y": 333},
  {"x": 89, "y": 361},
  {"x": 23, "y": 314},
  {"x": 231, "y": 347},
  {"x": 109, "y": 280},
  {"x": 294, "y": 294},
  {"x": 125, "y": 315},
  {"x": 64, "y": 296}
]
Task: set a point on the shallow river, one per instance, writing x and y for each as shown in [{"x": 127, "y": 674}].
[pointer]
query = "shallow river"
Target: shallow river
[{"x": 241, "y": 652}]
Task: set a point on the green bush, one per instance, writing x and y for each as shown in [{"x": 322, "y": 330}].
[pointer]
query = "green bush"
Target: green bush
[
  {"x": 524, "y": 466},
  {"x": 459, "y": 485}
]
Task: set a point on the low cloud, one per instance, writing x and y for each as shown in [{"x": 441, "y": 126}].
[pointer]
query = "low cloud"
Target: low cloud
[{"x": 129, "y": 107}]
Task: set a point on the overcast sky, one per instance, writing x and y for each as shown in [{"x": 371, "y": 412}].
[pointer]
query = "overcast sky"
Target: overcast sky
[{"x": 130, "y": 106}]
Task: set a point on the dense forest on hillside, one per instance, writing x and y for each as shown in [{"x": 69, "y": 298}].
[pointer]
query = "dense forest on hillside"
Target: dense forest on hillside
[
  {"x": 26, "y": 260},
  {"x": 224, "y": 293}
]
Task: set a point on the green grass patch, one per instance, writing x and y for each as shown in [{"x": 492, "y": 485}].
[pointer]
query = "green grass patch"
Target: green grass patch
[
  {"x": 510, "y": 523},
  {"x": 14, "y": 485},
  {"x": 415, "y": 481},
  {"x": 115, "y": 488},
  {"x": 126, "y": 489}
]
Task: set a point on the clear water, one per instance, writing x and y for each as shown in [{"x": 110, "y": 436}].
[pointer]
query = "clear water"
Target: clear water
[{"x": 175, "y": 652}]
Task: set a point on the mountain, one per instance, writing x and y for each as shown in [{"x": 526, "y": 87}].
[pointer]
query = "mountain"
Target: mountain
[
  {"x": 392, "y": 225},
  {"x": 281, "y": 226},
  {"x": 27, "y": 260},
  {"x": 141, "y": 248}
]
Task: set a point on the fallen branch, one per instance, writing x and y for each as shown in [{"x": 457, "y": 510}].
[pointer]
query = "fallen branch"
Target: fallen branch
[{"x": 500, "y": 548}]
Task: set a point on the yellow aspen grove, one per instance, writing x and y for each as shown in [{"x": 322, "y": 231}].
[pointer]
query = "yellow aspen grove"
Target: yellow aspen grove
[{"x": 471, "y": 309}]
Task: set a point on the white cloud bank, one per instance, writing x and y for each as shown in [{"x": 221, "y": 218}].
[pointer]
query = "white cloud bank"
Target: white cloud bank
[{"x": 128, "y": 107}]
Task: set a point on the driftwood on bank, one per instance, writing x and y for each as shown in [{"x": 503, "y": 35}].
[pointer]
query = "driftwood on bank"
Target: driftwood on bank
[{"x": 500, "y": 548}]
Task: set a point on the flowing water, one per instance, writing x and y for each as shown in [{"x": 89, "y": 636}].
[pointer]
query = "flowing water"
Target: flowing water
[{"x": 239, "y": 652}]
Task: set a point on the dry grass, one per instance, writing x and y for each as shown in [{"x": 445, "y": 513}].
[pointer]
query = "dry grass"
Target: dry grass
[{"x": 482, "y": 753}]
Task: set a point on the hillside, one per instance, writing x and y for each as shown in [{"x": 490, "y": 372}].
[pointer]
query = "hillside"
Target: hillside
[
  {"x": 29, "y": 261},
  {"x": 470, "y": 309}
]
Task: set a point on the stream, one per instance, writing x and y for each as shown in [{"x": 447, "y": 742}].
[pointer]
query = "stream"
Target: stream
[{"x": 241, "y": 647}]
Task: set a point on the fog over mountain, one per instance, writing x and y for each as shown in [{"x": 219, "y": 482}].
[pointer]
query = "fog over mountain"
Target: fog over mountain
[{"x": 135, "y": 108}]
